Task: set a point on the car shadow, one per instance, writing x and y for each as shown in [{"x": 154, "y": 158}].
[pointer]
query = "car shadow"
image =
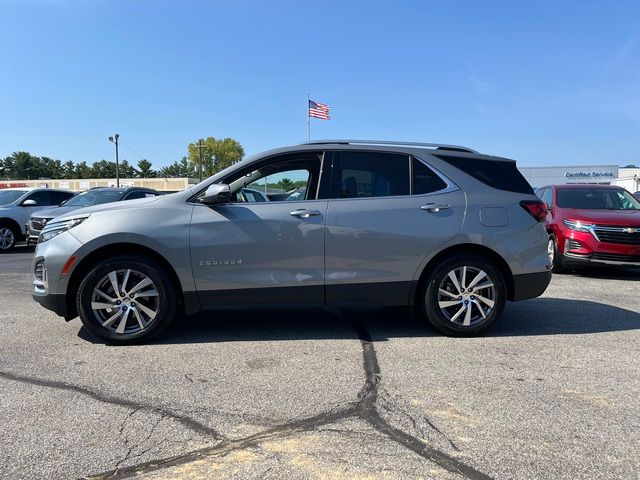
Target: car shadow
[{"x": 541, "y": 316}]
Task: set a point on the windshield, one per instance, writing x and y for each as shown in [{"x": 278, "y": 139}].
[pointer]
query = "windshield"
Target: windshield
[
  {"x": 10, "y": 196},
  {"x": 93, "y": 197},
  {"x": 597, "y": 199}
]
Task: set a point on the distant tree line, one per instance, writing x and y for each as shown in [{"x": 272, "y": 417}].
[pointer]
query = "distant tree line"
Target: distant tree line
[{"x": 216, "y": 155}]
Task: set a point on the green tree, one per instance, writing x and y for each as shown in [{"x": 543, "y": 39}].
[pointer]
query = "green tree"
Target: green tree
[
  {"x": 103, "y": 169},
  {"x": 217, "y": 154},
  {"x": 125, "y": 170},
  {"x": 183, "y": 168},
  {"x": 25, "y": 166},
  {"x": 82, "y": 170},
  {"x": 144, "y": 169},
  {"x": 8, "y": 168},
  {"x": 285, "y": 184},
  {"x": 51, "y": 168},
  {"x": 68, "y": 170}
]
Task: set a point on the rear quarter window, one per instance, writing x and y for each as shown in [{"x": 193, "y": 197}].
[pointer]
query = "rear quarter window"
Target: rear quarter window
[{"x": 499, "y": 174}]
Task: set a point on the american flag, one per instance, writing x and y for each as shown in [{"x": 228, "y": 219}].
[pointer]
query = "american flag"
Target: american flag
[{"x": 319, "y": 110}]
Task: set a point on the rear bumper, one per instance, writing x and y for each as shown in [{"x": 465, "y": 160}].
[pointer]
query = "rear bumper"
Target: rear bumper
[
  {"x": 530, "y": 285},
  {"x": 56, "y": 302}
]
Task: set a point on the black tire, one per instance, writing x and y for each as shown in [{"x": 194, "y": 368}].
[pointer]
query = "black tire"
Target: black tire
[
  {"x": 136, "y": 329},
  {"x": 558, "y": 264},
  {"x": 8, "y": 237},
  {"x": 445, "y": 320}
]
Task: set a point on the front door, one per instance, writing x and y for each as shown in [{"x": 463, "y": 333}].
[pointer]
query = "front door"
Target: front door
[{"x": 267, "y": 244}]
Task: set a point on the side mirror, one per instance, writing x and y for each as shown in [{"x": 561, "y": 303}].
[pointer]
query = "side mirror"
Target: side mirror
[
  {"x": 29, "y": 203},
  {"x": 216, "y": 193}
]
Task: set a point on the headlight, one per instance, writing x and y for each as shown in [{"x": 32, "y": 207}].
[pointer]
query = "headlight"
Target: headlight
[
  {"x": 56, "y": 228},
  {"x": 578, "y": 226}
]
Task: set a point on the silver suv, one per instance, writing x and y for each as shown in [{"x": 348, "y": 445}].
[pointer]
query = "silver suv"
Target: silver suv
[
  {"x": 17, "y": 205},
  {"x": 444, "y": 229}
]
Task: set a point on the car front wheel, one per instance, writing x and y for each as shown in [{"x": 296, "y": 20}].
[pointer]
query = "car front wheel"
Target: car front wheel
[
  {"x": 8, "y": 238},
  {"x": 125, "y": 300},
  {"x": 558, "y": 264},
  {"x": 464, "y": 295}
]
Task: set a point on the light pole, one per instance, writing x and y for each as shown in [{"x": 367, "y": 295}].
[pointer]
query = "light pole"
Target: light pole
[
  {"x": 200, "y": 159},
  {"x": 114, "y": 139}
]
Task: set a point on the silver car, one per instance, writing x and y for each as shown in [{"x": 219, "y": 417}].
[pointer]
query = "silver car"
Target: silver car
[{"x": 444, "y": 229}]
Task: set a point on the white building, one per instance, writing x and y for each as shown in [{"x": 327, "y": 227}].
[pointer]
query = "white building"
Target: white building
[
  {"x": 599, "y": 174},
  {"x": 629, "y": 178}
]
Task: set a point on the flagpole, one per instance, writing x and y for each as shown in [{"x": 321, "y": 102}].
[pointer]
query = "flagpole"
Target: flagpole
[{"x": 308, "y": 120}]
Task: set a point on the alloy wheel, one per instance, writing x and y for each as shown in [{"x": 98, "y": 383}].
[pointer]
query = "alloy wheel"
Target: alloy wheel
[
  {"x": 466, "y": 295},
  {"x": 7, "y": 238},
  {"x": 125, "y": 301},
  {"x": 551, "y": 250}
]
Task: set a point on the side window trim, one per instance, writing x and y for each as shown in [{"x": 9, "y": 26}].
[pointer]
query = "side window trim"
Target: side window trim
[{"x": 451, "y": 185}]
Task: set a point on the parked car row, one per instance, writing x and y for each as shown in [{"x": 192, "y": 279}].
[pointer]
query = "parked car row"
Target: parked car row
[
  {"x": 22, "y": 215},
  {"x": 591, "y": 225}
]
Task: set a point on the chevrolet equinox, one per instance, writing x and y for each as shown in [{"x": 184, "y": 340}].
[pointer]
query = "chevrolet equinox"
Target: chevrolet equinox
[{"x": 443, "y": 229}]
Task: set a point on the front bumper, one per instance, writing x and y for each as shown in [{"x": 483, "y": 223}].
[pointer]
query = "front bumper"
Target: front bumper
[
  {"x": 49, "y": 283},
  {"x": 32, "y": 235},
  {"x": 56, "y": 302},
  {"x": 583, "y": 248}
]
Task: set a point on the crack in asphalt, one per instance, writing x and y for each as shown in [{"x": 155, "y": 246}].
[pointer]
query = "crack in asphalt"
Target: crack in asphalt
[
  {"x": 364, "y": 408},
  {"x": 128, "y": 455},
  {"x": 188, "y": 422}
]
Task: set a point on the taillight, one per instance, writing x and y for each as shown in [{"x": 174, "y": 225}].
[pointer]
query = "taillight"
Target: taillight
[{"x": 536, "y": 208}]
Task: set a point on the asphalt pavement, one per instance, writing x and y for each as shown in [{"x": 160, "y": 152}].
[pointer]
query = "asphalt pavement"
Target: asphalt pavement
[{"x": 552, "y": 391}]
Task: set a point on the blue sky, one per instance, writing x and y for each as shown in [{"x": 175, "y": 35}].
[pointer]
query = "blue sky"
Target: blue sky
[{"x": 544, "y": 82}]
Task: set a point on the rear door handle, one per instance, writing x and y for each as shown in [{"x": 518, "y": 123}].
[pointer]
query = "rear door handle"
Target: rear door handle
[
  {"x": 435, "y": 207},
  {"x": 303, "y": 213}
]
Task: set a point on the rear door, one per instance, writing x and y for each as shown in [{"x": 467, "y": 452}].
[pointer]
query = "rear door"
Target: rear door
[
  {"x": 386, "y": 213},
  {"x": 260, "y": 252}
]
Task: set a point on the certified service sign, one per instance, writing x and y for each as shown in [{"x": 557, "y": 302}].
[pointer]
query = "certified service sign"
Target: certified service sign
[{"x": 605, "y": 175}]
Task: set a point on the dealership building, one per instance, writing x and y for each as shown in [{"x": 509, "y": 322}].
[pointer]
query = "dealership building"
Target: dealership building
[{"x": 628, "y": 178}]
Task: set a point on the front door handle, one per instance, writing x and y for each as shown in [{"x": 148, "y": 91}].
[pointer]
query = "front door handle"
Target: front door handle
[
  {"x": 304, "y": 213},
  {"x": 435, "y": 207}
]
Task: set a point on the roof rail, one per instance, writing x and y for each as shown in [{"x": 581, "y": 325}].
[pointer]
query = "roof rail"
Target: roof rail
[{"x": 437, "y": 146}]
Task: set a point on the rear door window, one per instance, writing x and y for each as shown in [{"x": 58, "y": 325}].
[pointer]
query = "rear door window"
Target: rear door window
[{"x": 370, "y": 174}]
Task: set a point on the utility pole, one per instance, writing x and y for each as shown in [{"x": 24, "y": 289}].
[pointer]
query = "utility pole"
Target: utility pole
[
  {"x": 200, "y": 159},
  {"x": 114, "y": 139}
]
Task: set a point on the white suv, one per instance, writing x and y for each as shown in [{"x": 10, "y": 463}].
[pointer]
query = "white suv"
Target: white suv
[{"x": 17, "y": 205}]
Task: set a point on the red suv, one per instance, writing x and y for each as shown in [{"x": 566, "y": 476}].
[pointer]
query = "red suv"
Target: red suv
[{"x": 591, "y": 224}]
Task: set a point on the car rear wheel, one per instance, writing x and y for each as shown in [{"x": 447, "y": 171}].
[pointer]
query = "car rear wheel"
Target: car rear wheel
[
  {"x": 125, "y": 300},
  {"x": 464, "y": 295},
  {"x": 8, "y": 238}
]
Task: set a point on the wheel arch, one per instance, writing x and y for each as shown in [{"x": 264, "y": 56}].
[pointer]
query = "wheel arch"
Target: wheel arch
[
  {"x": 110, "y": 250},
  {"x": 14, "y": 225},
  {"x": 465, "y": 248}
]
